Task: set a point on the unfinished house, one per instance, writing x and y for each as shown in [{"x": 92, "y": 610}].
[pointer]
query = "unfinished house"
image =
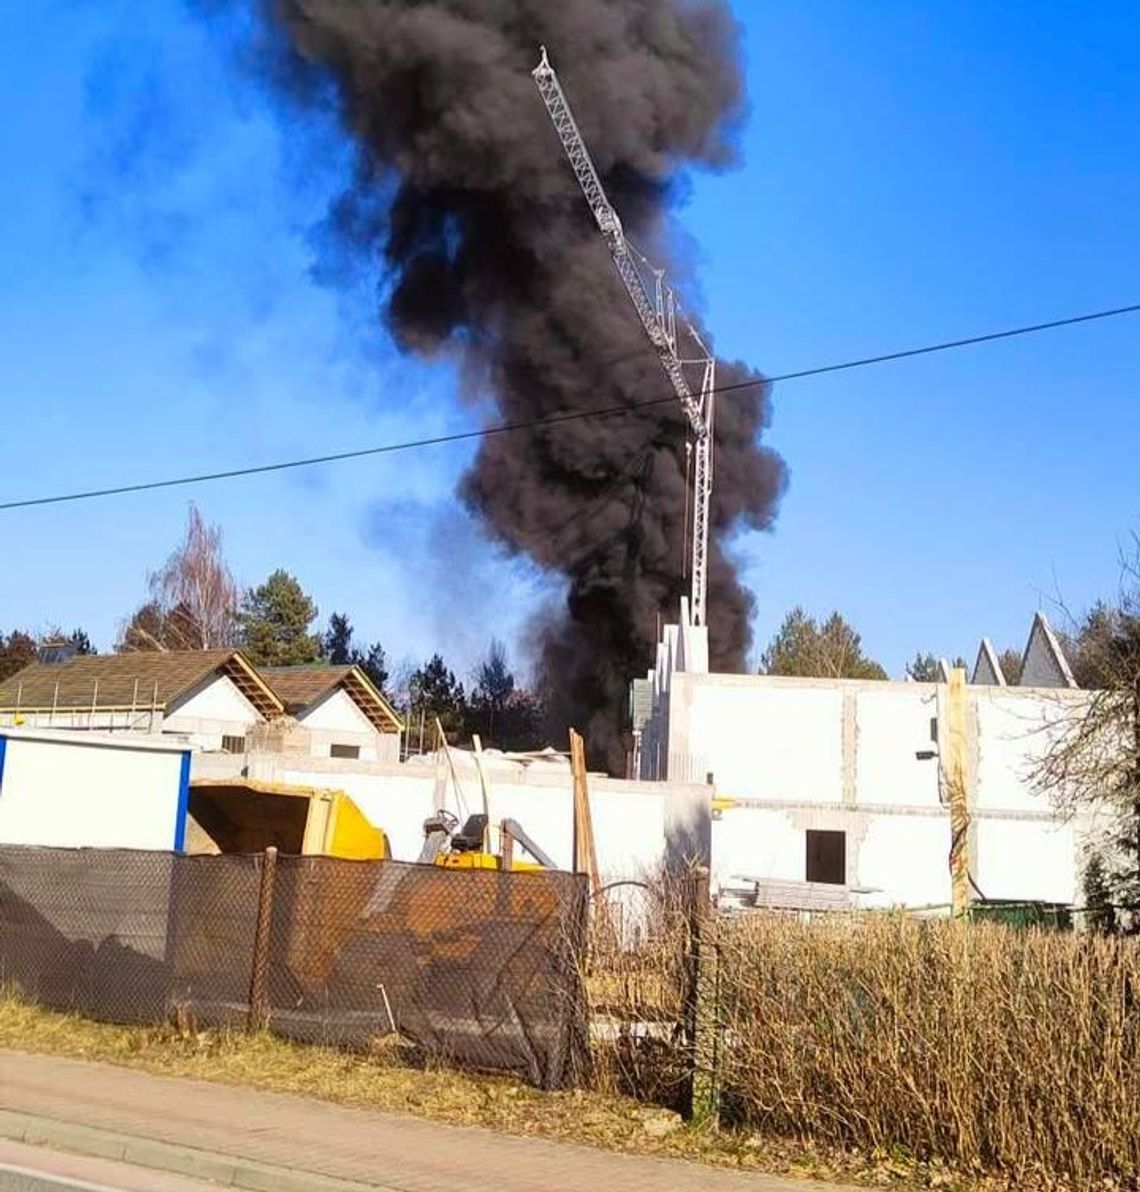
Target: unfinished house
[
  {"x": 339, "y": 710},
  {"x": 210, "y": 699},
  {"x": 834, "y": 792}
]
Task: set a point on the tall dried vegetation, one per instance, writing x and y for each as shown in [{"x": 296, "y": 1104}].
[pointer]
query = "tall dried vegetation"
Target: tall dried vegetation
[{"x": 974, "y": 1045}]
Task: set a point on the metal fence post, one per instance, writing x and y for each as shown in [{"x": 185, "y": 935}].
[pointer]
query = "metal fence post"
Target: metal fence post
[
  {"x": 258, "y": 1015},
  {"x": 701, "y": 1011}
]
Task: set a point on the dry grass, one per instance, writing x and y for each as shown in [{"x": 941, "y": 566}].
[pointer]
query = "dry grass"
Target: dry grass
[
  {"x": 635, "y": 981},
  {"x": 999, "y": 1054},
  {"x": 381, "y": 1082},
  {"x": 874, "y": 1049},
  {"x": 983, "y": 1047}
]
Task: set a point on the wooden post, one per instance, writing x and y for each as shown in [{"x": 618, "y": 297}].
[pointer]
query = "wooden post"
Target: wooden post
[
  {"x": 507, "y": 849},
  {"x": 701, "y": 1008},
  {"x": 585, "y": 852},
  {"x": 954, "y": 764},
  {"x": 258, "y": 1016},
  {"x": 485, "y": 791}
]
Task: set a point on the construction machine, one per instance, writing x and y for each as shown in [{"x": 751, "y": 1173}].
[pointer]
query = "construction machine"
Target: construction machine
[{"x": 469, "y": 847}]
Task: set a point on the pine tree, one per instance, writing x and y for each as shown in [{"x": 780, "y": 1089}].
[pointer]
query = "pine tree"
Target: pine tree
[
  {"x": 434, "y": 691},
  {"x": 82, "y": 643},
  {"x": 924, "y": 668},
  {"x": 1010, "y": 662},
  {"x": 275, "y": 620},
  {"x": 338, "y": 640},
  {"x": 831, "y": 650},
  {"x": 1098, "y": 897},
  {"x": 374, "y": 663}
]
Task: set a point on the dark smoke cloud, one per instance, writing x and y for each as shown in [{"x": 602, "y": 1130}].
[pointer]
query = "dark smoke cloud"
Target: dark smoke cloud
[{"x": 465, "y": 198}]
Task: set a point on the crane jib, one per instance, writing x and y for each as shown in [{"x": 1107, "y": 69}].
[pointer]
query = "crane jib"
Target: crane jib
[{"x": 657, "y": 318}]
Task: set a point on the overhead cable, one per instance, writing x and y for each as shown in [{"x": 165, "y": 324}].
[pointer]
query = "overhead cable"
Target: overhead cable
[{"x": 554, "y": 420}]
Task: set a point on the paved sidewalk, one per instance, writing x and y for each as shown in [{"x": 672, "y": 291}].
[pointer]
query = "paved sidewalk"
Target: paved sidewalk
[
  {"x": 33, "y": 1168},
  {"x": 256, "y": 1133}
]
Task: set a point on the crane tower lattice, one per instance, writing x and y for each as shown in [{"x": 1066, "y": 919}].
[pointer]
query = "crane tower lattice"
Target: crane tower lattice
[{"x": 658, "y": 316}]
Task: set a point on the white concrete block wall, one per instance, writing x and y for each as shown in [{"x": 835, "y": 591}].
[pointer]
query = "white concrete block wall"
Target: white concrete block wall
[
  {"x": 1028, "y": 859},
  {"x": 756, "y": 843},
  {"x": 215, "y": 710},
  {"x": 1015, "y": 731},
  {"x": 897, "y": 859},
  {"x": 890, "y": 727},
  {"x": 903, "y": 860},
  {"x": 841, "y": 755},
  {"x": 338, "y": 720},
  {"x": 781, "y": 740},
  {"x": 86, "y": 791},
  {"x": 634, "y": 822}
]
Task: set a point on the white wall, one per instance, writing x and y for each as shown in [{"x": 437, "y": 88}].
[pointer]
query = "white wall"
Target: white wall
[
  {"x": 893, "y": 859},
  {"x": 338, "y": 720},
  {"x": 216, "y": 709},
  {"x": 337, "y": 712},
  {"x": 840, "y": 755},
  {"x": 778, "y": 744},
  {"x": 397, "y": 804},
  {"x": 89, "y": 792},
  {"x": 904, "y": 860},
  {"x": 1014, "y": 733},
  {"x": 632, "y": 820},
  {"x": 890, "y": 727},
  {"x": 1028, "y": 859}
]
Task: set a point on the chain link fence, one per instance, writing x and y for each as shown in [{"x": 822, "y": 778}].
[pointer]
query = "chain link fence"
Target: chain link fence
[{"x": 474, "y": 967}]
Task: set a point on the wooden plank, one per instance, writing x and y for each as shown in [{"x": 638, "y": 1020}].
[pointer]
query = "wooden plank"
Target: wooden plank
[
  {"x": 585, "y": 850},
  {"x": 955, "y": 771}
]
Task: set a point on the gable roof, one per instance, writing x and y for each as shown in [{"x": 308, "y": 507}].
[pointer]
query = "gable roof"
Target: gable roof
[
  {"x": 1044, "y": 663},
  {"x": 987, "y": 668},
  {"x": 300, "y": 687},
  {"x": 102, "y": 682}
]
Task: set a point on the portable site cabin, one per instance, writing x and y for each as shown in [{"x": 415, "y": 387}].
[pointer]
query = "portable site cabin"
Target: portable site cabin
[{"x": 90, "y": 790}]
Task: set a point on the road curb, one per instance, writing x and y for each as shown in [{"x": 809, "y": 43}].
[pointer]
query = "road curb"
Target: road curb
[{"x": 228, "y": 1170}]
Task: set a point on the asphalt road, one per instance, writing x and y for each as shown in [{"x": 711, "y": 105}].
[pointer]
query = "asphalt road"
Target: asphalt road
[{"x": 35, "y": 1169}]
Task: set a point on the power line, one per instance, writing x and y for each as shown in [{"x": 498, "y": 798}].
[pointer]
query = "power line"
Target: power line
[{"x": 558, "y": 419}]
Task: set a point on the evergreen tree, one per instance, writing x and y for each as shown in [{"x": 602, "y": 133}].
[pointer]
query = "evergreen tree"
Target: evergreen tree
[
  {"x": 494, "y": 686},
  {"x": 1010, "y": 662},
  {"x": 145, "y": 630},
  {"x": 81, "y": 642},
  {"x": 433, "y": 691},
  {"x": 275, "y": 620},
  {"x": 338, "y": 640},
  {"x": 17, "y": 650},
  {"x": 924, "y": 668},
  {"x": 374, "y": 663},
  {"x": 1098, "y": 896},
  {"x": 831, "y": 650}
]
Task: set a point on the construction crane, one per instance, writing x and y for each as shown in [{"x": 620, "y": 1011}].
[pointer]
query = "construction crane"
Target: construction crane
[{"x": 658, "y": 316}]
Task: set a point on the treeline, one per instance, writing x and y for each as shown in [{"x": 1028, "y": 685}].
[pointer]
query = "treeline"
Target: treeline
[
  {"x": 193, "y": 602},
  {"x": 833, "y": 649},
  {"x": 18, "y": 648}
]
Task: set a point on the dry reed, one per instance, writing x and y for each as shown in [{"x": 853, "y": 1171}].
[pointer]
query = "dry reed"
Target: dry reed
[{"x": 977, "y": 1045}]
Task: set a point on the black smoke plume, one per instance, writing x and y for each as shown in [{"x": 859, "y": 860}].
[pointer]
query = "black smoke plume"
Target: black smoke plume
[{"x": 488, "y": 248}]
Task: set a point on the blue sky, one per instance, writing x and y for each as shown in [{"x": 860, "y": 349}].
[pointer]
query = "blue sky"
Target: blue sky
[{"x": 910, "y": 172}]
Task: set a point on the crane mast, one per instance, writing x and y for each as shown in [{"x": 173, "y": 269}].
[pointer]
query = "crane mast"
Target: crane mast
[{"x": 658, "y": 315}]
